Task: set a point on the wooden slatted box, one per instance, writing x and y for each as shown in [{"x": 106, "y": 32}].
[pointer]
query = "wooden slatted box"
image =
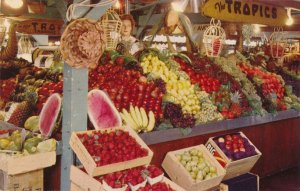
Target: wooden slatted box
[
  {"x": 89, "y": 163},
  {"x": 233, "y": 168},
  {"x": 29, "y": 181},
  {"x": 179, "y": 174}
]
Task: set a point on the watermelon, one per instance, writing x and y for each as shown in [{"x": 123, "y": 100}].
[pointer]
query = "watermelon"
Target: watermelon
[
  {"x": 101, "y": 111},
  {"x": 49, "y": 115}
]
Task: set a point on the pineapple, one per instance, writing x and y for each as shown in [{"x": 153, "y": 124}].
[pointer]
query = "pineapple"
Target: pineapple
[
  {"x": 18, "y": 113},
  {"x": 235, "y": 103}
]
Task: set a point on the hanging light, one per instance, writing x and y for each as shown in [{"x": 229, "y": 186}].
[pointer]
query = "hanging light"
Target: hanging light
[
  {"x": 117, "y": 5},
  {"x": 14, "y": 7},
  {"x": 256, "y": 28},
  {"x": 15, "y": 4},
  {"x": 290, "y": 19},
  {"x": 179, "y": 5}
]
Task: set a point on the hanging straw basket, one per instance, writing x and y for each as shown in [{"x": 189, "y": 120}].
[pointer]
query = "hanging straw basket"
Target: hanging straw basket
[
  {"x": 111, "y": 23},
  {"x": 277, "y": 43},
  {"x": 2, "y": 34},
  {"x": 214, "y": 38}
]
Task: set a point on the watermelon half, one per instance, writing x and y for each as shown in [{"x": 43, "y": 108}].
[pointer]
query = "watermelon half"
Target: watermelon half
[
  {"x": 49, "y": 115},
  {"x": 102, "y": 112}
]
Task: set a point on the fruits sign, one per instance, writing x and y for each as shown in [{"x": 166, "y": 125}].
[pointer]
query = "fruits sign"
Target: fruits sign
[
  {"x": 39, "y": 26},
  {"x": 245, "y": 12},
  {"x": 216, "y": 154}
]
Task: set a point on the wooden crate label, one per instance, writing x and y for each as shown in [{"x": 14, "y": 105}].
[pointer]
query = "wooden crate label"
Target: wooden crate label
[{"x": 216, "y": 154}]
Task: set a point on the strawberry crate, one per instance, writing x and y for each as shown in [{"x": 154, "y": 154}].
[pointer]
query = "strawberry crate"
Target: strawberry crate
[
  {"x": 13, "y": 164},
  {"x": 81, "y": 181},
  {"x": 179, "y": 174},
  {"x": 233, "y": 167},
  {"x": 89, "y": 162}
]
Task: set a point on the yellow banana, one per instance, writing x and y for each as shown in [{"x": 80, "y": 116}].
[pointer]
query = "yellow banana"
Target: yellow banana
[
  {"x": 151, "y": 124},
  {"x": 128, "y": 119},
  {"x": 139, "y": 117},
  {"x": 133, "y": 115},
  {"x": 144, "y": 118}
]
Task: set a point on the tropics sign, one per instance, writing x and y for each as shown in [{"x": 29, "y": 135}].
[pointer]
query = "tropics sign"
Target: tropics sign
[
  {"x": 39, "y": 26},
  {"x": 245, "y": 12}
]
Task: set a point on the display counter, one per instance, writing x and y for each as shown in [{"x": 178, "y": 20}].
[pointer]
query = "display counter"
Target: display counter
[{"x": 276, "y": 136}]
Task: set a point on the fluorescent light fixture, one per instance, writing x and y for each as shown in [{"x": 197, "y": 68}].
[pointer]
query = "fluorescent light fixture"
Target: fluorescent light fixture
[
  {"x": 256, "y": 29},
  {"x": 15, "y": 4},
  {"x": 179, "y": 6},
  {"x": 290, "y": 19}
]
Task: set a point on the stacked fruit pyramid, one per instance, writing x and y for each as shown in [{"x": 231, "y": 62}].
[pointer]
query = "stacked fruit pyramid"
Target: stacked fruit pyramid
[{"x": 115, "y": 155}]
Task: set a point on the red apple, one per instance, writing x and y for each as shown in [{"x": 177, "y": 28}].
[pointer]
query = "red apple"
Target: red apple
[{"x": 228, "y": 137}]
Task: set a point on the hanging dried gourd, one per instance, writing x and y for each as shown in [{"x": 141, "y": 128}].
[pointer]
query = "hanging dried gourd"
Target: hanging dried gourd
[
  {"x": 214, "y": 38},
  {"x": 82, "y": 43},
  {"x": 277, "y": 43},
  {"x": 111, "y": 24}
]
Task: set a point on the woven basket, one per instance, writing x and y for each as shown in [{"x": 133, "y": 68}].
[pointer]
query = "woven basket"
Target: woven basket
[
  {"x": 36, "y": 7},
  {"x": 277, "y": 43},
  {"x": 2, "y": 34},
  {"x": 214, "y": 38},
  {"x": 111, "y": 23}
]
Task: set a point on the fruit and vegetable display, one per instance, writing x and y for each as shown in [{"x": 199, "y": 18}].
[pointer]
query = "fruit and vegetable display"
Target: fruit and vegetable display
[
  {"x": 196, "y": 165},
  {"x": 225, "y": 92},
  {"x": 235, "y": 146},
  {"x": 152, "y": 90},
  {"x": 24, "y": 142},
  {"x": 112, "y": 147},
  {"x": 292, "y": 68},
  {"x": 142, "y": 178}
]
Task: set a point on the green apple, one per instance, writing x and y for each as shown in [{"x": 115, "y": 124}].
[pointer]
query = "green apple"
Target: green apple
[
  {"x": 195, "y": 158},
  {"x": 188, "y": 167},
  {"x": 212, "y": 169},
  {"x": 201, "y": 165},
  {"x": 193, "y": 175},
  {"x": 200, "y": 154},
  {"x": 193, "y": 152},
  {"x": 206, "y": 169}
]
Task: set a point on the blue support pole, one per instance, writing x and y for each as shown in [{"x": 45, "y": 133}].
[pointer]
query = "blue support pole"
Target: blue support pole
[{"x": 74, "y": 116}]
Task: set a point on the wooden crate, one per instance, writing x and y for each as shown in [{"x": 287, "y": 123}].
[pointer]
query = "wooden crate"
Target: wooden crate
[
  {"x": 29, "y": 181},
  {"x": 14, "y": 164},
  {"x": 89, "y": 163},
  {"x": 81, "y": 181},
  {"x": 179, "y": 174},
  {"x": 75, "y": 187},
  {"x": 233, "y": 168}
]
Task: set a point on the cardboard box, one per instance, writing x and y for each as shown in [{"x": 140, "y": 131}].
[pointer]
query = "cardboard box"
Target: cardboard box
[
  {"x": 180, "y": 176},
  {"x": 89, "y": 163},
  {"x": 233, "y": 168},
  {"x": 29, "y": 181},
  {"x": 245, "y": 182}
]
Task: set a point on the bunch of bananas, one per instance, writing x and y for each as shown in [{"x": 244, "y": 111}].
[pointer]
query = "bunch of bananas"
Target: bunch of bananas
[{"x": 138, "y": 119}]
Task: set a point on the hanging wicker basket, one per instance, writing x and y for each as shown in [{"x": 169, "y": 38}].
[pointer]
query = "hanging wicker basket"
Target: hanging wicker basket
[
  {"x": 2, "y": 34},
  {"x": 277, "y": 43},
  {"x": 214, "y": 38},
  {"x": 111, "y": 23}
]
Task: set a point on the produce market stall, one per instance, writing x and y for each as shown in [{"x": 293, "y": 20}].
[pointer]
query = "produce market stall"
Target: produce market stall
[{"x": 162, "y": 99}]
